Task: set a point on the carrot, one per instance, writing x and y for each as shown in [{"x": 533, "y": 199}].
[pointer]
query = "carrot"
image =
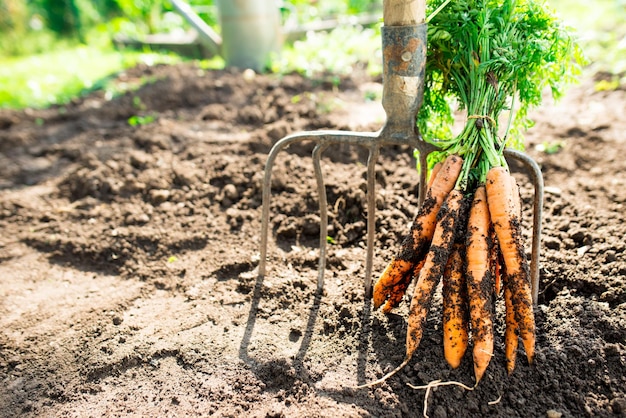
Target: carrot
[
  {"x": 433, "y": 173},
  {"x": 395, "y": 279},
  {"x": 455, "y": 313},
  {"x": 431, "y": 273},
  {"x": 448, "y": 218},
  {"x": 511, "y": 339},
  {"x": 392, "y": 283},
  {"x": 480, "y": 282},
  {"x": 495, "y": 261},
  {"x": 498, "y": 269},
  {"x": 501, "y": 195},
  {"x": 397, "y": 291}
]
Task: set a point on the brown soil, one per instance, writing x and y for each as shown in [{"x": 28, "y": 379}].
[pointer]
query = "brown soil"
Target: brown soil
[{"x": 128, "y": 256}]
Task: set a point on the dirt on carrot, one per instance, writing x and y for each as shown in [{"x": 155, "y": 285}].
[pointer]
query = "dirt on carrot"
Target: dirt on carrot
[
  {"x": 455, "y": 309},
  {"x": 395, "y": 279},
  {"x": 480, "y": 283}
]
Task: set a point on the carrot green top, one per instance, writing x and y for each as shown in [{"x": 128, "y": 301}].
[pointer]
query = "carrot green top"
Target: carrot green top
[{"x": 488, "y": 57}]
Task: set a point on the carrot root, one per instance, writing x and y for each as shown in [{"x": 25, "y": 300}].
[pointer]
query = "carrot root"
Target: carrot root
[
  {"x": 455, "y": 309},
  {"x": 396, "y": 278},
  {"x": 480, "y": 282},
  {"x": 433, "y": 269},
  {"x": 503, "y": 198}
]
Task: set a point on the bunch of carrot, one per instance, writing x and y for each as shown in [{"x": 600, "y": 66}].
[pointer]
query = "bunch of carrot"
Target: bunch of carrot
[
  {"x": 461, "y": 238},
  {"x": 483, "y": 54}
]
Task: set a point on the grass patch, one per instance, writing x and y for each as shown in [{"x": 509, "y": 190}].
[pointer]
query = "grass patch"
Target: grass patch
[{"x": 57, "y": 77}]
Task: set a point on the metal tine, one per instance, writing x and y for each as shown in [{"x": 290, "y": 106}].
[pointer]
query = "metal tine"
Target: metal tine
[
  {"x": 371, "y": 215},
  {"x": 323, "y": 139},
  {"x": 323, "y": 207}
]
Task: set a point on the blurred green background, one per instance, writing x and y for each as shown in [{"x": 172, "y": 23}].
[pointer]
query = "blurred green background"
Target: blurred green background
[{"x": 54, "y": 50}]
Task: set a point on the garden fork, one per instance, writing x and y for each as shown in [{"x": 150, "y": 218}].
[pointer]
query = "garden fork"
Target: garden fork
[{"x": 404, "y": 60}]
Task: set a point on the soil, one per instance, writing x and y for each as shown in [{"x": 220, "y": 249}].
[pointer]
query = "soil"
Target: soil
[{"x": 128, "y": 258}]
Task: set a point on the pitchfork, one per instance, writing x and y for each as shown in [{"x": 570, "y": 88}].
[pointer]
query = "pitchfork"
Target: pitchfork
[{"x": 404, "y": 60}]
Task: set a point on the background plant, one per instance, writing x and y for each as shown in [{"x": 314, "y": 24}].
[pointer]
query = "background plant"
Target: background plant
[{"x": 57, "y": 32}]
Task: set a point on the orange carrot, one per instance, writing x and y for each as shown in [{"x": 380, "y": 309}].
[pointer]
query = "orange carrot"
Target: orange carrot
[
  {"x": 480, "y": 282},
  {"x": 431, "y": 273},
  {"x": 501, "y": 195},
  {"x": 495, "y": 261},
  {"x": 450, "y": 215},
  {"x": 397, "y": 291},
  {"x": 511, "y": 338},
  {"x": 433, "y": 174},
  {"x": 455, "y": 313},
  {"x": 394, "y": 281}
]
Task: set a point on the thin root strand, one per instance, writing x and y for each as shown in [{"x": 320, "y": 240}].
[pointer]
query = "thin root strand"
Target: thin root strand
[
  {"x": 434, "y": 384},
  {"x": 385, "y": 377}
]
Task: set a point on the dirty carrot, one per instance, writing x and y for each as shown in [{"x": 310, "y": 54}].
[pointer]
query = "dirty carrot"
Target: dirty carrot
[
  {"x": 479, "y": 282},
  {"x": 455, "y": 309},
  {"x": 444, "y": 236},
  {"x": 392, "y": 283},
  {"x": 433, "y": 174},
  {"x": 395, "y": 279},
  {"x": 511, "y": 338},
  {"x": 495, "y": 261},
  {"x": 506, "y": 221},
  {"x": 433, "y": 269},
  {"x": 397, "y": 291}
]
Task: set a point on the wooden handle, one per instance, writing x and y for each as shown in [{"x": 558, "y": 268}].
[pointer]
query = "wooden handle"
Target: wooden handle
[{"x": 404, "y": 12}]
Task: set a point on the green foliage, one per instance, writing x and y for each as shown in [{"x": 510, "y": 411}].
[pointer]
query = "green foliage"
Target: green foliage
[
  {"x": 492, "y": 57},
  {"x": 137, "y": 120},
  {"x": 59, "y": 76},
  {"x": 338, "y": 52}
]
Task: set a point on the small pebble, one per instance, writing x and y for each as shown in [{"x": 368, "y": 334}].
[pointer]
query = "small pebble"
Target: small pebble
[
  {"x": 552, "y": 190},
  {"x": 158, "y": 196},
  {"x": 553, "y": 414},
  {"x": 230, "y": 192}
]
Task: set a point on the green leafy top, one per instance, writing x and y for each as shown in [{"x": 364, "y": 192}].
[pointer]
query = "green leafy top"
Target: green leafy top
[{"x": 491, "y": 56}]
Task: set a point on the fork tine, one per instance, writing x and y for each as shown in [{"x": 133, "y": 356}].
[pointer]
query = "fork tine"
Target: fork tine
[
  {"x": 266, "y": 194},
  {"x": 323, "y": 206},
  {"x": 371, "y": 215}
]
